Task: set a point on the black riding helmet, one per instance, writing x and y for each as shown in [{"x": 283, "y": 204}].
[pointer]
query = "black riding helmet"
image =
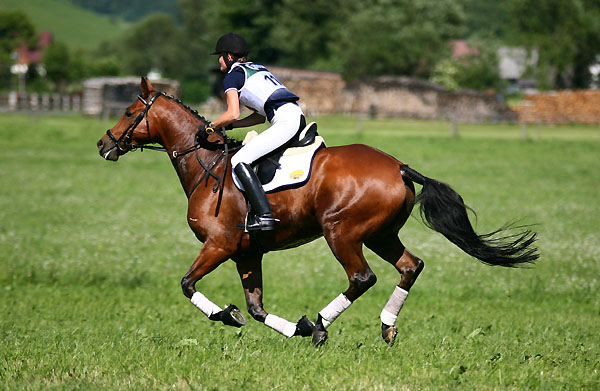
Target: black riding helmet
[{"x": 232, "y": 43}]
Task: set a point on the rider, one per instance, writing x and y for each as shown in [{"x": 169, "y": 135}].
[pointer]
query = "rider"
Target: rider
[{"x": 256, "y": 88}]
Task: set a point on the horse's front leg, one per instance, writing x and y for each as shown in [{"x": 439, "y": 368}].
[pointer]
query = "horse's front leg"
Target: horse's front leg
[
  {"x": 209, "y": 258},
  {"x": 250, "y": 270}
]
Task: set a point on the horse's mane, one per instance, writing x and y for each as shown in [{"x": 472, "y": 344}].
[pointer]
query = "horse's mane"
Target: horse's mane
[
  {"x": 233, "y": 144},
  {"x": 188, "y": 108}
]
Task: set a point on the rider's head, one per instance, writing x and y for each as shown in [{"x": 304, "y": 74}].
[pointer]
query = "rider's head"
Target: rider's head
[{"x": 231, "y": 47}]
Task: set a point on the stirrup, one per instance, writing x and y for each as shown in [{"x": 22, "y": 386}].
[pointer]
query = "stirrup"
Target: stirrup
[{"x": 258, "y": 223}]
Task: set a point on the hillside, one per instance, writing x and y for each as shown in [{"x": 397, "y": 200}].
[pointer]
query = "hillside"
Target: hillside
[{"x": 73, "y": 25}]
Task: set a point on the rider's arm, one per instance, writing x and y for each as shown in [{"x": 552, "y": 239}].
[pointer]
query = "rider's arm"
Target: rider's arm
[
  {"x": 252, "y": 119},
  {"x": 233, "y": 110}
]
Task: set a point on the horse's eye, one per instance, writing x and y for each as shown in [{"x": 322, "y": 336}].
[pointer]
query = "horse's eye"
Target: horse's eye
[{"x": 128, "y": 113}]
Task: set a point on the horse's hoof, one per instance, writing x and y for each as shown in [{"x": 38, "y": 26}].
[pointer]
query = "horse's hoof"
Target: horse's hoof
[
  {"x": 319, "y": 337},
  {"x": 231, "y": 316},
  {"x": 304, "y": 327},
  {"x": 389, "y": 333}
]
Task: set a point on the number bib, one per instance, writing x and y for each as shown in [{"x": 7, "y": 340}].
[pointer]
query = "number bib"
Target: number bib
[{"x": 259, "y": 86}]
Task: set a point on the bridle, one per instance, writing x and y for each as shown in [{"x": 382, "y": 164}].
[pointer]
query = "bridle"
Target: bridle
[
  {"x": 127, "y": 135},
  {"x": 200, "y": 141}
]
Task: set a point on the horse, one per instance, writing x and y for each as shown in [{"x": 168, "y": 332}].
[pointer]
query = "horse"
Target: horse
[{"x": 356, "y": 196}]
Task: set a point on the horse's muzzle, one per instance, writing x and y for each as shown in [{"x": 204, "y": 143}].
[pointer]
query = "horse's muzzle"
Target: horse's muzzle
[{"x": 108, "y": 149}]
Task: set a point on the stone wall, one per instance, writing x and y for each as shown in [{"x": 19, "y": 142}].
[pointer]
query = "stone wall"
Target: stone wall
[
  {"x": 319, "y": 92},
  {"x": 387, "y": 96},
  {"x": 109, "y": 96}
]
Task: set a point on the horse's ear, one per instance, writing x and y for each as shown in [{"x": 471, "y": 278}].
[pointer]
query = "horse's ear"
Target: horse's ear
[{"x": 146, "y": 87}]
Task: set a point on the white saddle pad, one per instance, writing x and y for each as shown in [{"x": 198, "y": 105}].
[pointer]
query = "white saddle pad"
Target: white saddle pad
[{"x": 294, "y": 170}]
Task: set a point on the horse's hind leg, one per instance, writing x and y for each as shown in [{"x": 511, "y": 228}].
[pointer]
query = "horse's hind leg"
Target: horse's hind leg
[
  {"x": 391, "y": 249},
  {"x": 360, "y": 277},
  {"x": 250, "y": 271}
]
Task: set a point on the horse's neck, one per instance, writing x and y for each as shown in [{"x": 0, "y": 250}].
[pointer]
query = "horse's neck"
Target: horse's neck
[{"x": 179, "y": 136}]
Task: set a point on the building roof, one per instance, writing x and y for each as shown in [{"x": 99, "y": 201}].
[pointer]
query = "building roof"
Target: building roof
[{"x": 27, "y": 56}]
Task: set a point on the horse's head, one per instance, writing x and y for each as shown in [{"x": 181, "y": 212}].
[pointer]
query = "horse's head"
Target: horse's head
[{"x": 131, "y": 129}]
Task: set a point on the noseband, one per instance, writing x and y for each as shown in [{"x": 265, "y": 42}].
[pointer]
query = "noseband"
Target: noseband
[{"x": 125, "y": 138}]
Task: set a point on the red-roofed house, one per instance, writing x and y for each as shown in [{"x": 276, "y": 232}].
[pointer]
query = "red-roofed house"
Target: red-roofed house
[
  {"x": 25, "y": 55},
  {"x": 461, "y": 48}
]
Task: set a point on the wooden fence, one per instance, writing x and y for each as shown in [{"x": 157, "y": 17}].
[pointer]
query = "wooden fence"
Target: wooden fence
[{"x": 40, "y": 102}]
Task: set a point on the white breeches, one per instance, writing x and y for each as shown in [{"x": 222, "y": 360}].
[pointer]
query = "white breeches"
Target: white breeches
[{"x": 285, "y": 124}]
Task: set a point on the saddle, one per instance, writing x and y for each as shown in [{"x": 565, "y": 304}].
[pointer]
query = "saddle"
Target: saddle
[{"x": 306, "y": 139}]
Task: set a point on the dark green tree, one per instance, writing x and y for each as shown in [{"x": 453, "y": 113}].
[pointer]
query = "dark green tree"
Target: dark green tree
[
  {"x": 15, "y": 30},
  {"x": 397, "y": 37},
  {"x": 305, "y": 32},
  {"x": 566, "y": 34},
  {"x": 57, "y": 62},
  {"x": 152, "y": 44},
  {"x": 487, "y": 18}
]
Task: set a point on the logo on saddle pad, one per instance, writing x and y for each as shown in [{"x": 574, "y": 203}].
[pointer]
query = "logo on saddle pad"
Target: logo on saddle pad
[
  {"x": 296, "y": 174},
  {"x": 293, "y": 167}
]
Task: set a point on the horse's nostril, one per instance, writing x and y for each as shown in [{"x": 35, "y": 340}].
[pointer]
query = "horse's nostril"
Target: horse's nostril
[{"x": 100, "y": 144}]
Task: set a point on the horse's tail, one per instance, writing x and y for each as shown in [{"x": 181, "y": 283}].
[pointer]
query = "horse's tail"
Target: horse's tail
[{"x": 444, "y": 211}]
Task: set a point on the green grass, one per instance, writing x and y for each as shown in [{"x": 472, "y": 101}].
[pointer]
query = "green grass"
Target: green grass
[
  {"x": 73, "y": 25},
  {"x": 91, "y": 255}
]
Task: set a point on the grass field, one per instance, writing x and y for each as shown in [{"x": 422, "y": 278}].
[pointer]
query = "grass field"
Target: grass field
[{"x": 92, "y": 253}]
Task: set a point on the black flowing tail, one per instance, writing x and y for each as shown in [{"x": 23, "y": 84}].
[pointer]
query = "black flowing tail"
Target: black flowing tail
[{"x": 444, "y": 211}]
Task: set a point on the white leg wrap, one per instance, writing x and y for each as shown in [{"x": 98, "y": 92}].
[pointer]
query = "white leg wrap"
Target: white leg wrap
[
  {"x": 334, "y": 309},
  {"x": 390, "y": 312},
  {"x": 204, "y": 305},
  {"x": 281, "y": 325}
]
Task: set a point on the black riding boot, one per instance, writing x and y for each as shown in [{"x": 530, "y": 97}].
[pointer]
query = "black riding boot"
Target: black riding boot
[{"x": 263, "y": 216}]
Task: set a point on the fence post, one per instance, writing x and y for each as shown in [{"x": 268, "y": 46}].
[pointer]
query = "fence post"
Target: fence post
[
  {"x": 523, "y": 130},
  {"x": 66, "y": 102},
  {"x": 45, "y": 102},
  {"x": 55, "y": 102},
  {"x": 359, "y": 127},
  {"x": 34, "y": 102},
  {"x": 12, "y": 101},
  {"x": 76, "y": 103},
  {"x": 453, "y": 126}
]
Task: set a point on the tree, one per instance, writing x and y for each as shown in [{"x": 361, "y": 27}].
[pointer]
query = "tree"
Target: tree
[
  {"x": 306, "y": 31},
  {"x": 15, "y": 30},
  {"x": 398, "y": 37},
  {"x": 57, "y": 62},
  {"x": 488, "y": 18},
  {"x": 566, "y": 34},
  {"x": 153, "y": 44},
  {"x": 474, "y": 71}
]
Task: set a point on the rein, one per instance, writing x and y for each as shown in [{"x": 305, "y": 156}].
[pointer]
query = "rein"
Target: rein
[{"x": 200, "y": 141}]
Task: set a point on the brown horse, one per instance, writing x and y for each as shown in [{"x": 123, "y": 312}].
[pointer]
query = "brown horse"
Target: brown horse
[{"x": 356, "y": 196}]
